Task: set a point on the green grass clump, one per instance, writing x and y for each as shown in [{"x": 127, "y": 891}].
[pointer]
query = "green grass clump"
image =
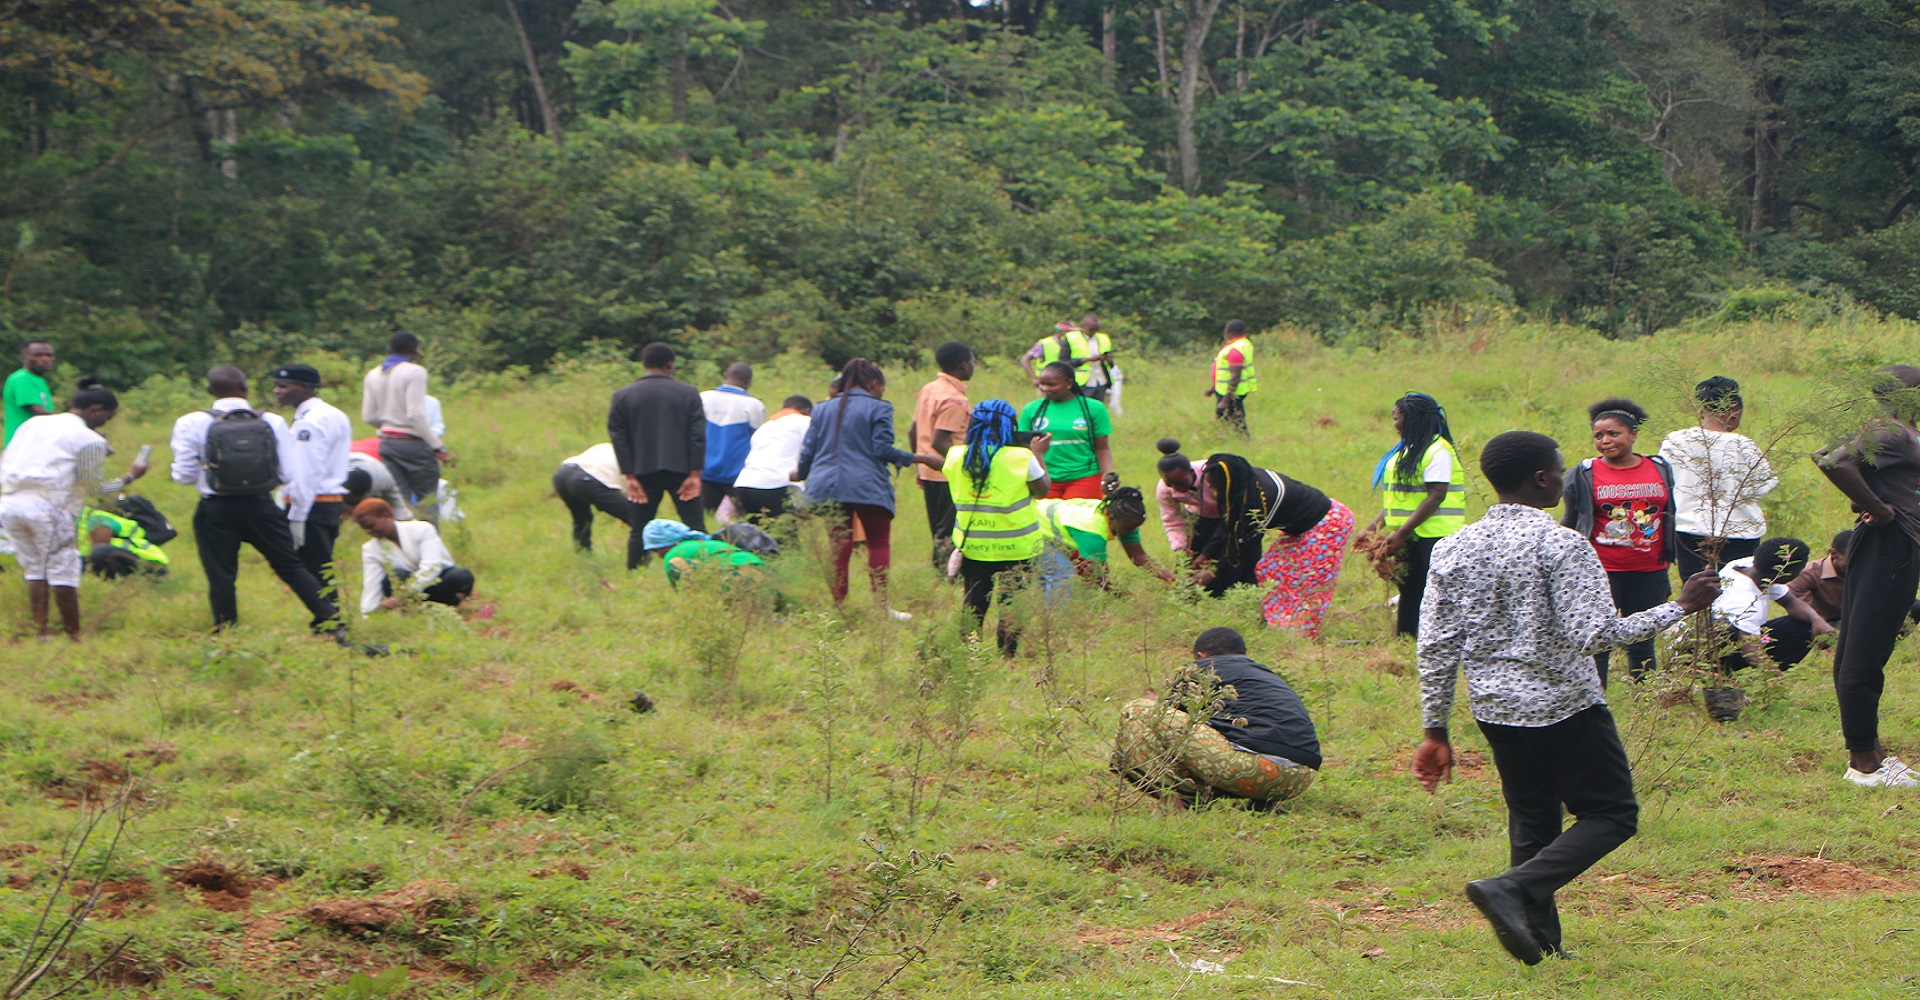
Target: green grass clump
[{"x": 844, "y": 806}]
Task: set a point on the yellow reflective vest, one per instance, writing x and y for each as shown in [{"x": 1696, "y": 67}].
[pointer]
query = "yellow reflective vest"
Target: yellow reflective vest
[
  {"x": 1402, "y": 498},
  {"x": 1079, "y": 346},
  {"x": 1056, "y": 516},
  {"x": 995, "y": 521},
  {"x": 127, "y": 534},
  {"x": 1223, "y": 369}
]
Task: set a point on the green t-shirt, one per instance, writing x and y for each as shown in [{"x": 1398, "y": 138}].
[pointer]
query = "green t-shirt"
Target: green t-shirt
[
  {"x": 1074, "y": 424},
  {"x": 699, "y": 550},
  {"x": 1093, "y": 548},
  {"x": 24, "y": 389}
]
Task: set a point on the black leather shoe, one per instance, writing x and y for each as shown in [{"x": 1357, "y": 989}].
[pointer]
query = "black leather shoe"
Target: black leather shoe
[{"x": 1507, "y": 912}]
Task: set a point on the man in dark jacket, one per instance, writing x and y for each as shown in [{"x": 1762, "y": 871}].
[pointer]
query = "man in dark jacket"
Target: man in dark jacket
[
  {"x": 659, "y": 432},
  {"x": 1258, "y": 742}
]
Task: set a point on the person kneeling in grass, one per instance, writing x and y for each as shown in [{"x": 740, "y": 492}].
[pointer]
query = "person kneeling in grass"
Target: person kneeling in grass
[
  {"x": 1521, "y": 604},
  {"x": 1745, "y": 592},
  {"x": 683, "y": 549},
  {"x": 1257, "y": 744},
  {"x": 405, "y": 560}
]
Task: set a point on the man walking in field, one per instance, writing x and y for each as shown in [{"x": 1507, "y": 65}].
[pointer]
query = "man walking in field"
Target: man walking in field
[
  {"x": 395, "y": 403},
  {"x": 1522, "y": 604}
]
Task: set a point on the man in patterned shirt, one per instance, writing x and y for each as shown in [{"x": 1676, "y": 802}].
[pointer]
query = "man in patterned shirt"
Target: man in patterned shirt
[{"x": 1522, "y": 604}]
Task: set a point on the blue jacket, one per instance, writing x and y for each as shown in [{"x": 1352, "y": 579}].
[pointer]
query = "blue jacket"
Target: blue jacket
[{"x": 845, "y": 459}]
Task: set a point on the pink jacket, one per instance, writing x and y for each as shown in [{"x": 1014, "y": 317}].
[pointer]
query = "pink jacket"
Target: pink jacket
[{"x": 1174, "y": 504}]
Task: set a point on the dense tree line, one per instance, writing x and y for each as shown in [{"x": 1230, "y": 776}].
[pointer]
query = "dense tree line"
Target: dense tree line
[{"x": 516, "y": 179}]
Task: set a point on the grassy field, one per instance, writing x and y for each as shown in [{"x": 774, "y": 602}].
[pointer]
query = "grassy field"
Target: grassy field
[{"x": 843, "y": 806}]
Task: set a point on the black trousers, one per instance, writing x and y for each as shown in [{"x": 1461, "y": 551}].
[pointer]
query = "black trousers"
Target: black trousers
[
  {"x": 583, "y": 495},
  {"x": 316, "y": 549},
  {"x": 1632, "y": 594},
  {"x": 110, "y": 562},
  {"x": 761, "y": 505},
  {"x": 416, "y": 470},
  {"x": 222, "y": 524},
  {"x": 660, "y": 486},
  {"x": 453, "y": 586},
  {"x": 1096, "y": 392},
  {"x": 1883, "y": 568},
  {"x": 980, "y": 579},
  {"x": 1693, "y": 558},
  {"x": 1413, "y": 586},
  {"x": 1234, "y": 413},
  {"x": 1576, "y": 764},
  {"x": 1788, "y": 641},
  {"x": 940, "y": 517},
  {"x": 712, "y": 493}
]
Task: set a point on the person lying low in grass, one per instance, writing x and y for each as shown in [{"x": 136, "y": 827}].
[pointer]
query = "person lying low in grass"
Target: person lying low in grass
[
  {"x": 1258, "y": 743},
  {"x": 405, "y": 560},
  {"x": 683, "y": 550}
]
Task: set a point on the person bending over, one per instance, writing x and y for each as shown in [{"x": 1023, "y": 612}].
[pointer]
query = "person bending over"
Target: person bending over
[
  {"x": 1078, "y": 534},
  {"x": 404, "y": 561},
  {"x": 588, "y": 482},
  {"x": 118, "y": 546},
  {"x": 685, "y": 550},
  {"x": 1258, "y": 744},
  {"x": 1237, "y": 505},
  {"x": 1747, "y": 586},
  {"x": 1520, "y": 604}
]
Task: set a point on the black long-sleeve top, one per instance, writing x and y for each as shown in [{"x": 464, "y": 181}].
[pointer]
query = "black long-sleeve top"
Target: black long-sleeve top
[{"x": 657, "y": 424}]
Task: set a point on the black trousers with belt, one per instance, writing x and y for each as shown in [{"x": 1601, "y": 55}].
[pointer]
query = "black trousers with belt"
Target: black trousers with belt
[
  {"x": 659, "y": 486},
  {"x": 1577, "y": 766},
  {"x": 316, "y": 549},
  {"x": 583, "y": 494},
  {"x": 222, "y": 524}
]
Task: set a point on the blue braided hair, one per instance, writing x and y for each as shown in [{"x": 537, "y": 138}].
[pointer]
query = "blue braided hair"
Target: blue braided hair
[{"x": 989, "y": 430}]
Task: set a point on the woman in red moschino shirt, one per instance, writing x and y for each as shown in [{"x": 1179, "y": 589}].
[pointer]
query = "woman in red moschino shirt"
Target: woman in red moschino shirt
[{"x": 1623, "y": 502}]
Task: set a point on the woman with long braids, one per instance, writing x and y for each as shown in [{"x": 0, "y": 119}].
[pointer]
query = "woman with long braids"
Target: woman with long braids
[
  {"x": 1425, "y": 497},
  {"x": 1237, "y": 505},
  {"x": 996, "y": 527},
  {"x": 1079, "y": 532},
  {"x": 844, "y": 460},
  {"x": 1080, "y": 464},
  {"x": 1623, "y": 502}
]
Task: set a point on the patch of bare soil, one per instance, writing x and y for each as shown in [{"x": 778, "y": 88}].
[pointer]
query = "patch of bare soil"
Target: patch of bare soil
[
  {"x": 414, "y": 904},
  {"x": 1467, "y": 764},
  {"x": 221, "y": 888},
  {"x": 1817, "y": 876},
  {"x": 571, "y": 869},
  {"x": 116, "y": 898},
  {"x": 10, "y": 852},
  {"x": 1172, "y": 930}
]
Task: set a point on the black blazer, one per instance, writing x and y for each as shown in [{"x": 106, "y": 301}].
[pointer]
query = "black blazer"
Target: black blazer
[{"x": 658, "y": 424}]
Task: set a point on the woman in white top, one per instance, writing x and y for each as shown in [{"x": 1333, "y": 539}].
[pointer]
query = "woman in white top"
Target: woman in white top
[
  {"x": 1719, "y": 477},
  {"x": 762, "y": 488},
  {"x": 405, "y": 561},
  {"x": 50, "y": 469}
]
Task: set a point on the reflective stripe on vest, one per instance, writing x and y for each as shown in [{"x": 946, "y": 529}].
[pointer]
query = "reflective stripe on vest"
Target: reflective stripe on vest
[
  {"x": 1223, "y": 372},
  {"x": 1402, "y": 499},
  {"x": 1056, "y": 516},
  {"x": 127, "y": 534},
  {"x": 998, "y": 523},
  {"x": 1079, "y": 347}
]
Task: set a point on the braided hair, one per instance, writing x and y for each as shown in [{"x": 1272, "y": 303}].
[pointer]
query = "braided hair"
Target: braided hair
[
  {"x": 1125, "y": 501},
  {"x": 1422, "y": 419},
  {"x": 1243, "y": 512},
  {"x": 989, "y": 429}
]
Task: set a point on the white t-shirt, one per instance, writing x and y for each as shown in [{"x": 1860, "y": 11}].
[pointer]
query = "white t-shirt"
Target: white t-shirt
[
  {"x": 1742, "y": 603},
  {"x": 600, "y": 462},
  {"x": 1718, "y": 480},
  {"x": 1440, "y": 470},
  {"x": 774, "y": 454}
]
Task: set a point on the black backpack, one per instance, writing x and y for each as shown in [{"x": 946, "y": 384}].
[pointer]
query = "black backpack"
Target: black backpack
[
  {"x": 242, "y": 454},
  {"x": 742, "y": 535},
  {"x": 142, "y": 512}
]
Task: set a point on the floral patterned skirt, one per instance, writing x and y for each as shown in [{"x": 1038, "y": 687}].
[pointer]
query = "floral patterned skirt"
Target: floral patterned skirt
[{"x": 1300, "y": 572}]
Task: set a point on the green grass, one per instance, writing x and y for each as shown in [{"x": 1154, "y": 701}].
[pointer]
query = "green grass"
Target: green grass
[{"x": 575, "y": 849}]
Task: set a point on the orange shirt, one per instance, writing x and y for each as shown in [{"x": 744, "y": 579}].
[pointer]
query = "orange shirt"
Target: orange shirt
[{"x": 942, "y": 406}]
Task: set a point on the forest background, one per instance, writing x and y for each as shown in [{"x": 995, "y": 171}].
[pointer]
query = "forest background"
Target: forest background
[{"x": 185, "y": 180}]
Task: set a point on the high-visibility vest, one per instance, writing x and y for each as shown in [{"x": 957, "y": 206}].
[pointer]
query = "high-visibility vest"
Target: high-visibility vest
[
  {"x": 1403, "y": 498},
  {"x": 996, "y": 522},
  {"x": 1223, "y": 371},
  {"x": 1056, "y": 516},
  {"x": 127, "y": 534},
  {"x": 1079, "y": 346}
]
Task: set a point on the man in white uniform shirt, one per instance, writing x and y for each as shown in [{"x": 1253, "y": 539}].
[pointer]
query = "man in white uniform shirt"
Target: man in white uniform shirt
[{"x": 316, "y": 472}]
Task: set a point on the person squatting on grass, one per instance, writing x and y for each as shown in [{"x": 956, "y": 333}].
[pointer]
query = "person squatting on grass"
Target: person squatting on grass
[
  {"x": 996, "y": 526},
  {"x": 1236, "y": 505},
  {"x": 1747, "y": 636},
  {"x": 1878, "y": 468},
  {"x": 1623, "y": 503},
  {"x": 1823, "y": 583},
  {"x": 1520, "y": 604},
  {"x": 1719, "y": 478},
  {"x": 1078, "y": 534},
  {"x": 1080, "y": 462},
  {"x": 50, "y": 471},
  {"x": 1424, "y": 497},
  {"x": 1258, "y": 743},
  {"x": 843, "y": 460},
  {"x": 405, "y": 559}
]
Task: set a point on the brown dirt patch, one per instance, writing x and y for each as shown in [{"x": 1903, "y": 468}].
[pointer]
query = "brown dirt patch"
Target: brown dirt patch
[
  {"x": 116, "y": 898},
  {"x": 1467, "y": 764},
  {"x": 1394, "y": 917},
  {"x": 10, "y": 852},
  {"x": 221, "y": 888},
  {"x": 571, "y": 869},
  {"x": 155, "y": 753},
  {"x": 1172, "y": 930},
  {"x": 414, "y": 903},
  {"x": 1817, "y": 876}
]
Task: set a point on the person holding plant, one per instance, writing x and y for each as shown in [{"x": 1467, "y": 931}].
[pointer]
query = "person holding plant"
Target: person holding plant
[
  {"x": 1719, "y": 477},
  {"x": 1424, "y": 499},
  {"x": 1878, "y": 468},
  {"x": 1748, "y": 586},
  {"x": 996, "y": 526},
  {"x": 1237, "y": 505},
  {"x": 403, "y": 560},
  {"x": 843, "y": 460},
  {"x": 1080, "y": 462},
  {"x": 1622, "y": 501},
  {"x": 1079, "y": 533}
]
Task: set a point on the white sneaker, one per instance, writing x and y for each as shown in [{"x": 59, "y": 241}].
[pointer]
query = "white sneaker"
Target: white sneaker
[
  {"x": 900, "y": 616},
  {"x": 1893, "y": 773}
]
